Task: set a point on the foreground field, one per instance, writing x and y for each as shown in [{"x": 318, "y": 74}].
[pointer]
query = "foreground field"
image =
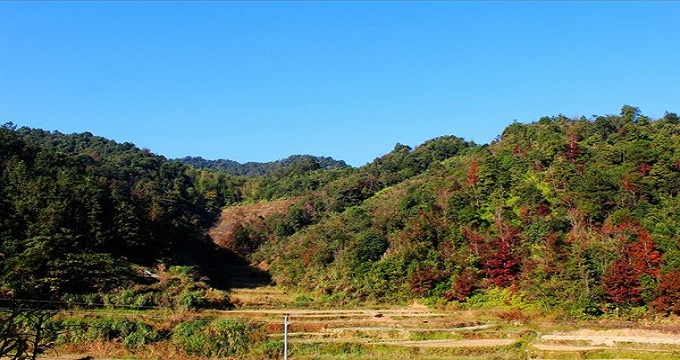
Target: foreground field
[
  {"x": 420, "y": 333},
  {"x": 416, "y": 332}
]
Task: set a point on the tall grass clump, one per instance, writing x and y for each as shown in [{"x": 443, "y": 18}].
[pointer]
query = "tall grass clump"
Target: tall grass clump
[
  {"x": 132, "y": 334},
  {"x": 217, "y": 338},
  {"x": 497, "y": 298}
]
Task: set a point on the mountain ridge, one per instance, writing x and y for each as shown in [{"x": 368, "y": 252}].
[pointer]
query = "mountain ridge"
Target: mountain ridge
[{"x": 253, "y": 168}]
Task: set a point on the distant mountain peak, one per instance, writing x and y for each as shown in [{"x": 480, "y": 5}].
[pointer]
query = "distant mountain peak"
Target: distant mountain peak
[{"x": 301, "y": 163}]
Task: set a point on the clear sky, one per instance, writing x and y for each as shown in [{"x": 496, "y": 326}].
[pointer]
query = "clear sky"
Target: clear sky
[{"x": 259, "y": 81}]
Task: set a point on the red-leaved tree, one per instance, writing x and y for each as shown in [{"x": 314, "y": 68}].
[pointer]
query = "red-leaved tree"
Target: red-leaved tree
[
  {"x": 640, "y": 259},
  {"x": 622, "y": 285},
  {"x": 668, "y": 293},
  {"x": 463, "y": 286},
  {"x": 501, "y": 265}
]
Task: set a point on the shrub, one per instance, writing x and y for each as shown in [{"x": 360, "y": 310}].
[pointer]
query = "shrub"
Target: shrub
[
  {"x": 496, "y": 298},
  {"x": 190, "y": 300},
  {"x": 270, "y": 349},
  {"x": 132, "y": 334},
  {"x": 191, "y": 337},
  {"x": 222, "y": 337},
  {"x": 302, "y": 301}
]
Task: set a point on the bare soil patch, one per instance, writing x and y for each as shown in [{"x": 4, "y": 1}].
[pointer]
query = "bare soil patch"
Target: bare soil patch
[{"x": 592, "y": 339}]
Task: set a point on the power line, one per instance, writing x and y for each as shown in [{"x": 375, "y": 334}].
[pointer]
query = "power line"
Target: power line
[
  {"x": 82, "y": 303},
  {"x": 112, "y": 314}
]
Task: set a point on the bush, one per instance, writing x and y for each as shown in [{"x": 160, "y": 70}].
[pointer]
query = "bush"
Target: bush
[
  {"x": 190, "y": 300},
  {"x": 222, "y": 337},
  {"x": 132, "y": 334},
  {"x": 302, "y": 301},
  {"x": 191, "y": 337},
  {"x": 496, "y": 298},
  {"x": 270, "y": 349}
]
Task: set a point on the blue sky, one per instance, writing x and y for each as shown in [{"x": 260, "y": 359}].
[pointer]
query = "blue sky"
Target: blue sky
[{"x": 259, "y": 81}]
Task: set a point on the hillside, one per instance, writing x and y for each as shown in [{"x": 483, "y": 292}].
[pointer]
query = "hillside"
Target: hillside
[
  {"x": 575, "y": 214},
  {"x": 81, "y": 214},
  {"x": 578, "y": 214}
]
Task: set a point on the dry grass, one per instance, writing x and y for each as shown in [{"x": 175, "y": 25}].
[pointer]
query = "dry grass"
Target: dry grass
[
  {"x": 233, "y": 217},
  {"x": 261, "y": 297},
  {"x": 417, "y": 332},
  {"x": 105, "y": 350}
]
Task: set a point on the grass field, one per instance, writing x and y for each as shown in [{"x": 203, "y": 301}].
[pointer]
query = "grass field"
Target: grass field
[{"x": 415, "y": 332}]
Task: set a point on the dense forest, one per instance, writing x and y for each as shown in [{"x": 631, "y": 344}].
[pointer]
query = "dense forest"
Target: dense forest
[
  {"x": 570, "y": 213},
  {"x": 78, "y": 210}
]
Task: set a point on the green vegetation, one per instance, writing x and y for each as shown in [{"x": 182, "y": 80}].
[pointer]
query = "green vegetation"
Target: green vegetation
[
  {"x": 581, "y": 215},
  {"x": 25, "y": 331},
  {"x": 205, "y": 338},
  {"x": 133, "y": 334},
  {"x": 218, "y": 338},
  {"x": 78, "y": 210},
  {"x": 178, "y": 288}
]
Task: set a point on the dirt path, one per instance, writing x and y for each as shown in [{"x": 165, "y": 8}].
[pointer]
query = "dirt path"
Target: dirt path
[
  {"x": 590, "y": 339},
  {"x": 611, "y": 337}
]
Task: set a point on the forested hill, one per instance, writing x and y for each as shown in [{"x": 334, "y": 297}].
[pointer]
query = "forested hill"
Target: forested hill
[
  {"x": 77, "y": 209},
  {"x": 570, "y": 213},
  {"x": 294, "y": 163},
  {"x": 577, "y": 214}
]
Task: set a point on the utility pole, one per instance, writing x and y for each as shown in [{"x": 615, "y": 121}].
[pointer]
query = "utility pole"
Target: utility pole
[{"x": 285, "y": 337}]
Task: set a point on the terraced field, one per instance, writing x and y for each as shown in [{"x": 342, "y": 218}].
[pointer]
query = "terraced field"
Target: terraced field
[
  {"x": 419, "y": 332},
  {"x": 381, "y": 333}
]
